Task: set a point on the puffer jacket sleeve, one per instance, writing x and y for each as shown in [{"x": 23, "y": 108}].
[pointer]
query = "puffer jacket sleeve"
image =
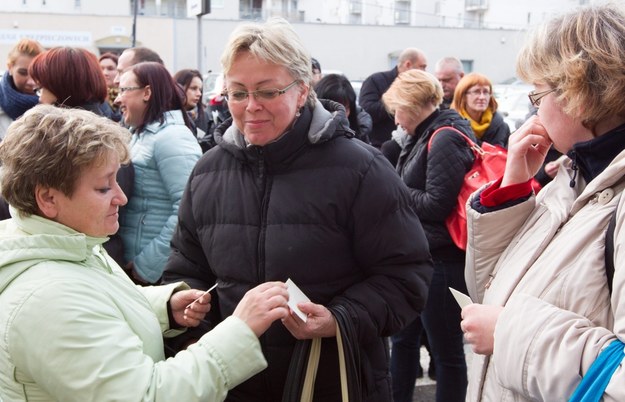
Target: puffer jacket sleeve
[
  {"x": 483, "y": 248},
  {"x": 176, "y": 152},
  {"x": 158, "y": 297},
  {"x": 541, "y": 350},
  {"x": 537, "y": 342},
  {"x": 89, "y": 352},
  {"x": 390, "y": 246}
]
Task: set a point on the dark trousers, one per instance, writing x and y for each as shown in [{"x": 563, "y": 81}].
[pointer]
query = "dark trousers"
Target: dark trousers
[
  {"x": 405, "y": 364},
  {"x": 441, "y": 321}
]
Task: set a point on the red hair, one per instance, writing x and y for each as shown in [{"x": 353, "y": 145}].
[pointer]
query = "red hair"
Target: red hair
[
  {"x": 467, "y": 82},
  {"x": 73, "y": 75}
]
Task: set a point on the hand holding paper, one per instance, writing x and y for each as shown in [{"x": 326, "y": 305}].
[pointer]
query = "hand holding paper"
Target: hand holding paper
[
  {"x": 462, "y": 299},
  {"x": 318, "y": 321},
  {"x": 296, "y": 296}
]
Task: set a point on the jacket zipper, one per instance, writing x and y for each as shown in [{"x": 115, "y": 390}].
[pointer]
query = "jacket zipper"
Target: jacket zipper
[{"x": 260, "y": 247}]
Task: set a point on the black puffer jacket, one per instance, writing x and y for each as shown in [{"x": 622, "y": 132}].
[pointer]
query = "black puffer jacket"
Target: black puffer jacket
[
  {"x": 435, "y": 177},
  {"x": 321, "y": 208}
]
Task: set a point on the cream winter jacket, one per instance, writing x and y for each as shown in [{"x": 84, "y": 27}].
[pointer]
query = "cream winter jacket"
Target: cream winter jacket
[{"x": 545, "y": 259}]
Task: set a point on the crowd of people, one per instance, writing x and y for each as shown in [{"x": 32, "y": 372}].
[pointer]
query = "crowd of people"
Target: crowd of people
[{"x": 137, "y": 264}]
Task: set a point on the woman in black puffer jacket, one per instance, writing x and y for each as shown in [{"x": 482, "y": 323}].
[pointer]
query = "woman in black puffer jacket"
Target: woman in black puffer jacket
[{"x": 289, "y": 193}]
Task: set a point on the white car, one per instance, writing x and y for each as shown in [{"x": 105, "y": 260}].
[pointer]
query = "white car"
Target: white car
[{"x": 514, "y": 103}]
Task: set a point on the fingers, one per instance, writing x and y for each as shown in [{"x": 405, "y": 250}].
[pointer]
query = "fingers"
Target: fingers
[{"x": 262, "y": 305}]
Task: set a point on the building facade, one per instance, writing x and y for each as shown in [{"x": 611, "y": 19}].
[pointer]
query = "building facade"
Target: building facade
[{"x": 357, "y": 37}]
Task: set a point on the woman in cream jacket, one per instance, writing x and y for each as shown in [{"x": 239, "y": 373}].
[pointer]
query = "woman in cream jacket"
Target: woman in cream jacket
[{"x": 537, "y": 264}]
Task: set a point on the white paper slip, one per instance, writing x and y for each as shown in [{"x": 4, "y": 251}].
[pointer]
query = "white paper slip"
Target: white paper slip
[
  {"x": 205, "y": 293},
  {"x": 462, "y": 299},
  {"x": 296, "y": 296}
]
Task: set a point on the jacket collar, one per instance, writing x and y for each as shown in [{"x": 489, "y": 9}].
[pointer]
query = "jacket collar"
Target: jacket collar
[
  {"x": 323, "y": 123},
  {"x": 169, "y": 117},
  {"x": 26, "y": 241},
  {"x": 593, "y": 156}
]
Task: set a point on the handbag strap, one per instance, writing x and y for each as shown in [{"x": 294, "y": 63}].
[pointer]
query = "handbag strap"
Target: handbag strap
[
  {"x": 342, "y": 365},
  {"x": 311, "y": 371},
  {"x": 469, "y": 141},
  {"x": 313, "y": 364}
]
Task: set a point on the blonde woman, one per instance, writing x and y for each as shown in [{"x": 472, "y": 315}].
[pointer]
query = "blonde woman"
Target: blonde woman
[{"x": 537, "y": 264}]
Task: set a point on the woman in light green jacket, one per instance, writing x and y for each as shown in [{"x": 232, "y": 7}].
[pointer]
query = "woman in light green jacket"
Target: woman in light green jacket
[{"x": 73, "y": 327}]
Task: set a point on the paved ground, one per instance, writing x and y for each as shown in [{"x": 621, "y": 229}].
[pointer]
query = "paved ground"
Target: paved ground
[{"x": 425, "y": 388}]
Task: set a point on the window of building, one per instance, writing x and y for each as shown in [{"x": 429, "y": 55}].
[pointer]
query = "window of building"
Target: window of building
[
  {"x": 467, "y": 66},
  {"x": 402, "y": 12},
  {"x": 251, "y": 9}
]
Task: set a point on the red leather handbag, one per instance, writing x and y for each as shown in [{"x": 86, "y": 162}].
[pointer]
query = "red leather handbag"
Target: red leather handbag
[{"x": 489, "y": 165}]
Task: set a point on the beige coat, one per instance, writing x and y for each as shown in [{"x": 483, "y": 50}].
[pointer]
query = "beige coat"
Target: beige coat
[{"x": 546, "y": 258}]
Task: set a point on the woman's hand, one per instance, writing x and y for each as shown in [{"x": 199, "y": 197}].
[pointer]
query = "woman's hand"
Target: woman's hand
[
  {"x": 262, "y": 305},
  {"x": 527, "y": 149},
  {"x": 478, "y": 324},
  {"x": 319, "y": 324},
  {"x": 189, "y": 307}
]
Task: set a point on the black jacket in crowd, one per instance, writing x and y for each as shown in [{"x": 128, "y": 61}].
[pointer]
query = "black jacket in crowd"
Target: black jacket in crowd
[
  {"x": 435, "y": 177},
  {"x": 497, "y": 132},
  {"x": 321, "y": 208},
  {"x": 370, "y": 98}
]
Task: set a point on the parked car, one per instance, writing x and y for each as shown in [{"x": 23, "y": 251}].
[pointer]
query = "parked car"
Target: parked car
[{"x": 513, "y": 102}]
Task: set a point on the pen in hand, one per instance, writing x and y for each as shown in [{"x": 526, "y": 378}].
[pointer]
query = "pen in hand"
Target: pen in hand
[{"x": 203, "y": 294}]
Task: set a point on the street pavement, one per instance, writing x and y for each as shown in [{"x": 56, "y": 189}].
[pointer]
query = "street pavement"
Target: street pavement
[{"x": 425, "y": 388}]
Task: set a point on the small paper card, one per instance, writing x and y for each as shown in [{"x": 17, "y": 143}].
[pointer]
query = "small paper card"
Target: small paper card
[
  {"x": 462, "y": 299},
  {"x": 296, "y": 296}
]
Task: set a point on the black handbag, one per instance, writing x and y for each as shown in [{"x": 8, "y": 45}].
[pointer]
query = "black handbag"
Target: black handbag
[{"x": 300, "y": 381}]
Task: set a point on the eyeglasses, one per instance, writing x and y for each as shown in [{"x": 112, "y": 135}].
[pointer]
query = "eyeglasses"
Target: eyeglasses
[
  {"x": 123, "y": 90},
  {"x": 478, "y": 92},
  {"x": 536, "y": 97},
  {"x": 259, "y": 94}
]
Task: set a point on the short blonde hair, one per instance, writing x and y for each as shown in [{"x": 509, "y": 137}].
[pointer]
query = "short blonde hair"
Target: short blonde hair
[
  {"x": 50, "y": 147},
  {"x": 581, "y": 54},
  {"x": 25, "y": 47},
  {"x": 276, "y": 42},
  {"x": 411, "y": 91},
  {"x": 465, "y": 84}
]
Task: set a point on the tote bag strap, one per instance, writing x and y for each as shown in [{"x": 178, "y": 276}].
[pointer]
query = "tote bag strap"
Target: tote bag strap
[
  {"x": 342, "y": 365},
  {"x": 311, "y": 371},
  {"x": 313, "y": 364}
]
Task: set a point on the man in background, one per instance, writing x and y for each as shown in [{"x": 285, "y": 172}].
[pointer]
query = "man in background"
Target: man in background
[
  {"x": 374, "y": 87},
  {"x": 132, "y": 56},
  {"x": 448, "y": 71}
]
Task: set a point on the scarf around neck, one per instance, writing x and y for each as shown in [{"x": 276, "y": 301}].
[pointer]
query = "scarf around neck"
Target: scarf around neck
[
  {"x": 13, "y": 102},
  {"x": 479, "y": 128}
]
